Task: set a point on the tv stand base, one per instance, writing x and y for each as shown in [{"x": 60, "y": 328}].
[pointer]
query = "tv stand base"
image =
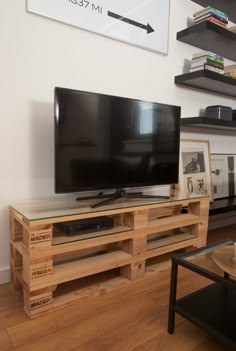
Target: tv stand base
[
  {"x": 121, "y": 193},
  {"x": 101, "y": 195}
]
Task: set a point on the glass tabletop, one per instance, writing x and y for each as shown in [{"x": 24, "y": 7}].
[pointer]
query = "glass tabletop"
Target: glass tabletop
[
  {"x": 68, "y": 206},
  {"x": 218, "y": 259}
]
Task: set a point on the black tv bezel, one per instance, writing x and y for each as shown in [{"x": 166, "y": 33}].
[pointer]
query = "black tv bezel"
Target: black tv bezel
[{"x": 61, "y": 190}]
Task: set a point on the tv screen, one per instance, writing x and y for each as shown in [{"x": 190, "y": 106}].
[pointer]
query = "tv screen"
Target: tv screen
[{"x": 104, "y": 142}]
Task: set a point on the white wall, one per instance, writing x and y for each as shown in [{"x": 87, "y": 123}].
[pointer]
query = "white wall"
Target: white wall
[{"x": 38, "y": 54}]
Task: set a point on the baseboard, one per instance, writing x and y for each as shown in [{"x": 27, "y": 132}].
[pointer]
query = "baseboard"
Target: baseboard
[{"x": 4, "y": 275}]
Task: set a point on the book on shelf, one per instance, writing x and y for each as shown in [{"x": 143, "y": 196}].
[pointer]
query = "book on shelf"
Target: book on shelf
[
  {"x": 208, "y": 68},
  {"x": 210, "y": 9},
  {"x": 207, "y": 53},
  {"x": 206, "y": 62},
  {"x": 208, "y": 15},
  {"x": 209, "y": 58},
  {"x": 213, "y": 20}
]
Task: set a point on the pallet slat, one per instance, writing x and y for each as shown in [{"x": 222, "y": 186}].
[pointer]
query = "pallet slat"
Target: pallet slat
[
  {"x": 171, "y": 240},
  {"x": 64, "y": 239},
  {"x": 85, "y": 267},
  {"x": 168, "y": 223}
]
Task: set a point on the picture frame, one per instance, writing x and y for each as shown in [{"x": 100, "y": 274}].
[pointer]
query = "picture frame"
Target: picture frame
[
  {"x": 223, "y": 175},
  {"x": 144, "y": 24},
  {"x": 195, "y": 167}
]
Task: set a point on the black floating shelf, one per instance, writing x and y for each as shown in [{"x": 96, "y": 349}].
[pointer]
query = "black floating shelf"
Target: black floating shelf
[
  {"x": 210, "y": 36},
  {"x": 227, "y": 6},
  {"x": 207, "y": 122},
  {"x": 222, "y": 206},
  {"x": 208, "y": 81}
]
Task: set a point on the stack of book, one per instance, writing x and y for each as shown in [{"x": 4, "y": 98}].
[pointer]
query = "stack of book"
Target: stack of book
[
  {"x": 207, "y": 60},
  {"x": 211, "y": 14},
  {"x": 230, "y": 71}
]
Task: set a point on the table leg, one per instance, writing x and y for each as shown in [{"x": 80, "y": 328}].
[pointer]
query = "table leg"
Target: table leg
[
  {"x": 172, "y": 300},
  {"x": 226, "y": 275}
]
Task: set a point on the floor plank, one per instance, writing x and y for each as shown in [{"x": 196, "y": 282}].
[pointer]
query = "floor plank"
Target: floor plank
[
  {"x": 8, "y": 298},
  {"x": 11, "y": 311},
  {"x": 132, "y": 334},
  {"x": 89, "y": 328},
  {"x": 77, "y": 312},
  {"x": 212, "y": 345},
  {"x": 5, "y": 343},
  {"x": 139, "y": 348},
  {"x": 128, "y": 336},
  {"x": 186, "y": 338},
  {"x": 12, "y": 317}
]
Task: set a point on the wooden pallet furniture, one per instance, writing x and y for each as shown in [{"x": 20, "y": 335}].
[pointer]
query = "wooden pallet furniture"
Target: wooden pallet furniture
[{"x": 54, "y": 269}]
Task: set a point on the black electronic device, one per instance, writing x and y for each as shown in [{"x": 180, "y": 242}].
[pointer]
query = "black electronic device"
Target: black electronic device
[
  {"x": 104, "y": 142},
  {"x": 219, "y": 112},
  {"x": 111, "y": 142},
  {"x": 84, "y": 226}
]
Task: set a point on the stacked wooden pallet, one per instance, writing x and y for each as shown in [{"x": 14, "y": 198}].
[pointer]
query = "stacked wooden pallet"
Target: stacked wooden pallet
[{"x": 44, "y": 259}]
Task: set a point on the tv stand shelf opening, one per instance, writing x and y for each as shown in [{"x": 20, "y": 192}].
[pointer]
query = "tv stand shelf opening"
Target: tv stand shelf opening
[{"x": 44, "y": 260}]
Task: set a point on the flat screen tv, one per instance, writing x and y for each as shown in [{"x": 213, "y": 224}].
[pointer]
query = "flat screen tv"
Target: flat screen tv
[{"x": 112, "y": 142}]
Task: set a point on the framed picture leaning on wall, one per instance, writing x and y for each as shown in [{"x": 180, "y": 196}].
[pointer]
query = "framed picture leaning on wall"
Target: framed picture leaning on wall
[
  {"x": 195, "y": 167},
  {"x": 223, "y": 175}
]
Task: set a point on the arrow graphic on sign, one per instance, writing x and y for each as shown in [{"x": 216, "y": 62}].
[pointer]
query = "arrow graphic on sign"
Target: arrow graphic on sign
[{"x": 147, "y": 27}]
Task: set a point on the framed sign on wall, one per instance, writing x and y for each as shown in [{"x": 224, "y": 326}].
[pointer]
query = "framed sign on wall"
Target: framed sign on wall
[{"x": 137, "y": 22}]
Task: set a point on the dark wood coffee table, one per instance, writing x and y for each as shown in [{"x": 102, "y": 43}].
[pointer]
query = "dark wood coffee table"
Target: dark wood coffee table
[{"x": 213, "y": 307}]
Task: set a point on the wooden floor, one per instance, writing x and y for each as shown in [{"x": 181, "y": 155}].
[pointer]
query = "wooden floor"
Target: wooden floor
[{"x": 132, "y": 318}]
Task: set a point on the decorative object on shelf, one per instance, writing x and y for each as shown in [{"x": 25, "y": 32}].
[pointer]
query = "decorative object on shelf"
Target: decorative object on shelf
[
  {"x": 211, "y": 14},
  {"x": 195, "y": 168},
  {"x": 223, "y": 175},
  {"x": 219, "y": 112},
  {"x": 141, "y": 23},
  {"x": 207, "y": 60}
]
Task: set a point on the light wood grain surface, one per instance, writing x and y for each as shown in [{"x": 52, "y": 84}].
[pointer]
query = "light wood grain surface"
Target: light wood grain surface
[{"x": 132, "y": 318}]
